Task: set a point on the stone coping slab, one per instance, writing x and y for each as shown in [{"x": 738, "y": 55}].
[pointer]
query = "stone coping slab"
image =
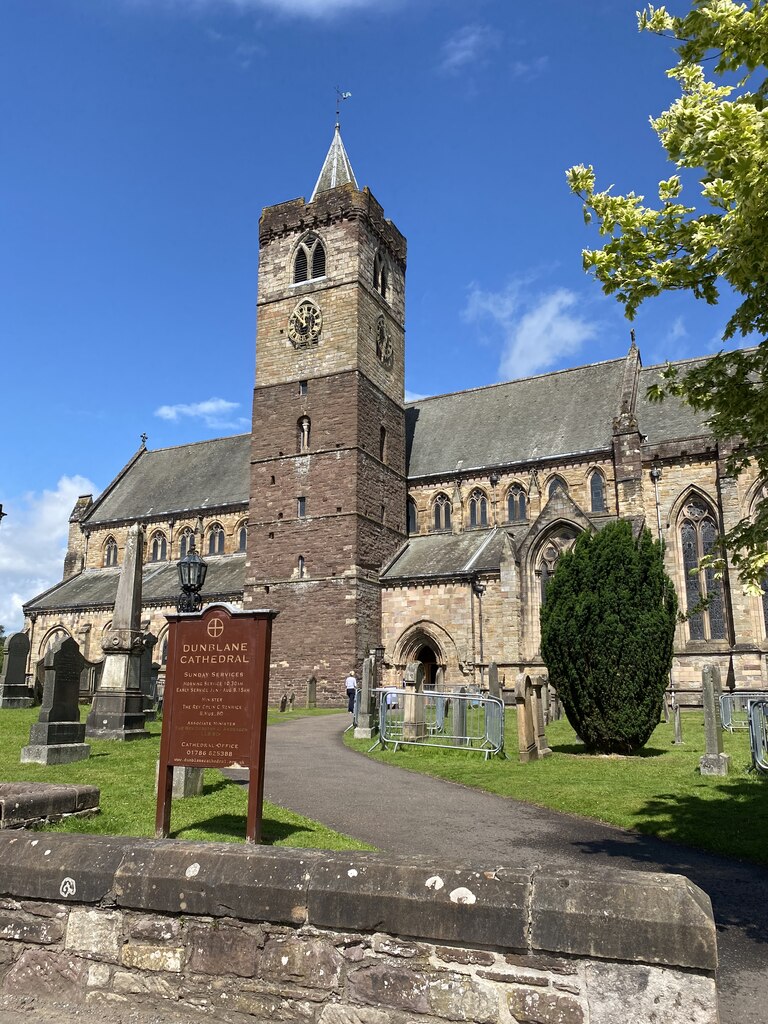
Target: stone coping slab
[
  {"x": 616, "y": 915},
  {"x": 24, "y": 803}
]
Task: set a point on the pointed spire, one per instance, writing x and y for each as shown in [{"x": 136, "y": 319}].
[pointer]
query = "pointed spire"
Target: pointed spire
[{"x": 337, "y": 170}]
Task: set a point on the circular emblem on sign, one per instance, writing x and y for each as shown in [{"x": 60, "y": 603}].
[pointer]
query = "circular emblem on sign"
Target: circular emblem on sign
[
  {"x": 68, "y": 887},
  {"x": 215, "y": 627},
  {"x": 305, "y": 324}
]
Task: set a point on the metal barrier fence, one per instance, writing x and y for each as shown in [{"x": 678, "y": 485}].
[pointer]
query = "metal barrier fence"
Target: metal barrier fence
[
  {"x": 449, "y": 720},
  {"x": 734, "y": 707},
  {"x": 758, "y": 734}
]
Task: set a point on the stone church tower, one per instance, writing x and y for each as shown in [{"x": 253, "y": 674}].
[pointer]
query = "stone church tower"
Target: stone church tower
[{"x": 328, "y": 463}]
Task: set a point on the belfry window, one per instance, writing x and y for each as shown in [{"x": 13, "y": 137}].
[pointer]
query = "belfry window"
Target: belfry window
[
  {"x": 516, "y": 504},
  {"x": 216, "y": 540},
  {"x": 698, "y": 537},
  {"x": 309, "y": 262},
  {"x": 478, "y": 508},
  {"x": 380, "y": 274},
  {"x": 597, "y": 491},
  {"x": 158, "y": 547},
  {"x": 110, "y": 551},
  {"x": 442, "y": 512}
]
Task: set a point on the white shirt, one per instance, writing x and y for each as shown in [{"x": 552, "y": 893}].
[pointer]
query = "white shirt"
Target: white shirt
[{"x": 351, "y": 683}]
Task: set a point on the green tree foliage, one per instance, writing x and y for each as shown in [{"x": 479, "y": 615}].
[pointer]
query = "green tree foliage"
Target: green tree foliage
[
  {"x": 716, "y": 134},
  {"x": 607, "y": 628}
]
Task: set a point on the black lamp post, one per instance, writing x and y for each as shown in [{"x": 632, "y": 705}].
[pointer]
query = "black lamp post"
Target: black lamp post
[{"x": 192, "y": 570}]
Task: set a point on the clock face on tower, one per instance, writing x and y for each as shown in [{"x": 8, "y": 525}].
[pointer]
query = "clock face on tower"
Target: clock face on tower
[{"x": 305, "y": 324}]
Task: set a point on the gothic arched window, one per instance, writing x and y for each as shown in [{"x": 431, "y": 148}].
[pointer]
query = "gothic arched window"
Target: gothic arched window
[
  {"x": 242, "y": 537},
  {"x": 309, "y": 262},
  {"x": 698, "y": 537},
  {"x": 478, "y": 508},
  {"x": 556, "y": 484},
  {"x": 516, "y": 504},
  {"x": 216, "y": 539},
  {"x": 597, "y": 491},
  {"x": 186, "y": 539},
  {"x": 110, "y": 551},
  {"x": 380, "y": 274},
  {"x": 413, "y": 519},
  {"x": 442, "y": 512},
  {"x": 158, "y": 547}
]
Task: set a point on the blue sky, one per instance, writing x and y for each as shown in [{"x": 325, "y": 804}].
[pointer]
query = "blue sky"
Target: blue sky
[{"x": 141, "y": 138}]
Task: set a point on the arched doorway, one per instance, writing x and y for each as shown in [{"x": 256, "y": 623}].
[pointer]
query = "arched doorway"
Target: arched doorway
[{"x": 428, "y": 658}]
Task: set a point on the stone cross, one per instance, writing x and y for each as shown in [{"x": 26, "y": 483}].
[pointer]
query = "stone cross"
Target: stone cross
[
  {"x": 118, "y": 705},
  {"x": 14, "y": 692},
  {"x": 366, "y": 718},
  {"x": 713, "y": 761},
  {"x": 526, "y": 733},
  {"x": 57, "y": 736},
  {"x": 414, "y": 714},
  {"x": 493, "y": 680}
]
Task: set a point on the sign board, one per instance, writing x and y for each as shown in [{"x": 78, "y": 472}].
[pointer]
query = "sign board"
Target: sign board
[{"x": 215, "y": 701}]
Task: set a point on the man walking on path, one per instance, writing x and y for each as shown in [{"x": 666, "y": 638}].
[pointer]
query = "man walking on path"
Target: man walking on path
[{"x": 351, "y": 685}]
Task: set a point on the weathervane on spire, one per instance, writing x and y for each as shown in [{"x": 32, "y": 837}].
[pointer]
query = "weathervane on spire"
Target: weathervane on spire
[{"x": 339, "y": 97}]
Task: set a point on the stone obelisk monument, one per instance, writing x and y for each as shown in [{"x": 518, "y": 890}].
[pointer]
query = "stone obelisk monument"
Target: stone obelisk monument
[{"x": 118, "y": 704}]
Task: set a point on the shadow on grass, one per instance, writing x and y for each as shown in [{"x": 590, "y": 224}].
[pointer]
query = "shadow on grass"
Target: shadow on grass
[
  {"x": 579, "y": 749},
  {"x": 738, "y": 889},
  {"x": 272, "y": 831}
]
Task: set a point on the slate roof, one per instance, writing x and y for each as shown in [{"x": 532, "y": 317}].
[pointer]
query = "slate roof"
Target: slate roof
[
  {"x": 447, "y": 554},
  {"x": 669, "y": 420},
  {"x": 552, "y": 415},
  {"x": 160, "y": 583},
  {"x": 336, "y": 169},
  {"x": 190, "y": 476}
]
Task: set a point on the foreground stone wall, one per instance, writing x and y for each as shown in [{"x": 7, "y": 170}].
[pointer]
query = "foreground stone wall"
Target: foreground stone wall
[{"x": 243, "y": 932}]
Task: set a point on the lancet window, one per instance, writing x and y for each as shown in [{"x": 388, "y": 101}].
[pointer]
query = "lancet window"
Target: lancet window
[
  {"x": 597, "y": 491},
  {"x": 698, "y": 537},
  {"x": 516, "y": 504},
  {"x": 186, "y": 537},
  {"x": 478, "y": 508},
  {"x": 242, "y": 537},
  {"x": 216, "y": 539},
  {"x": 110, "y": 551},
  {"x": 413, "y": 519},
  {"x": 442, "y": 512},
  {"x": 158, "y": 547},
  {"x": 557, "y": 484},
  {"x": 380, "y": 275}
]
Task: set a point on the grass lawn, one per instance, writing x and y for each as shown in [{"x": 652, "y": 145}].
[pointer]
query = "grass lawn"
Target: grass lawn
[
  {"x": 659, "y": 792},
  {"x": 125, "y": 773}
]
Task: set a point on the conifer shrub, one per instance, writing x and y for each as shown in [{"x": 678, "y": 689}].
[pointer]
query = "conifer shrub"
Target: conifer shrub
[{"x": 607, "y": 628}]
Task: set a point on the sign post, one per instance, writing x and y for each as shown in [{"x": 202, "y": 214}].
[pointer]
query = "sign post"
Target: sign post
[{"x": 215, "y": 702}]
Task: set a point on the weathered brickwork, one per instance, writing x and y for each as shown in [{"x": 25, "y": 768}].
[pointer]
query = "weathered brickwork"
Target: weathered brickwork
[{"x": 347, "y": 938}]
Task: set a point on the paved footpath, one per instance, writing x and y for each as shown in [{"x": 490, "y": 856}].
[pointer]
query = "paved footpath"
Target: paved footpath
[{"x": 311, "y": 771}]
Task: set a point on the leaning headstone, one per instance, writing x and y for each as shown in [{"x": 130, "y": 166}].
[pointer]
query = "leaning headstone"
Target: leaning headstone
[
  {"x": 366, "y": 717},
  {"x": 118, "y": 705},
  {"x": 713, "y": 761},
  {"x": 57, "y": 736},
  {"x": 526, "y": 733},
  {"x": 414, "y": 713},
  {"x": 312, "y": 692},
  {"x": 14, "y": 692},
  {"x": 494, "y": 689},
  {"x": 538, "y": 716},
  {"x": 460, "y": 717}
]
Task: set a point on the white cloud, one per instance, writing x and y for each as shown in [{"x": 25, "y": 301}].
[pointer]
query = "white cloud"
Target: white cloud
[
  {"x": 529, "y": 68},
  {"x": 214, "y": 412},
  {"x": 413, "y": 396},
  {"x": 469, "y": 46},
  {"x": 33, "y": 542},
  {"x": 536, "y": 330},
  {"x": 678, "y": 330},
  {"x": 298, "y": 8}
]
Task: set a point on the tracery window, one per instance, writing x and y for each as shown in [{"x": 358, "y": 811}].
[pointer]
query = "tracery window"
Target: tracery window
[
  {"x": 309, "y": 262},
  {"x": 158, "y": 547},
  {"x": 110, "y": 551},
  {"x": 558, "y": 542},
  {"x": 413, "y": 519},
  {"x": 380, "y": 274},
  {"x": 242, "y": 537},
  {"x": 516, "y": 504},
  {"x": 216, "y": 539},
  {"x": 478, "y": 508},
  {"x": 557, "y": 484},
  {"x": 442, "y": 512},
  {"x": 597, "y": 491},
  {"x": 186, "y": 539},
  {"x": 698, "y": 537}
]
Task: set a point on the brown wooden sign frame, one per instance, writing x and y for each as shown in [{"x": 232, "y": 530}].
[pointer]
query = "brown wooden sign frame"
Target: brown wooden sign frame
[{"x": 215, "y": 702}]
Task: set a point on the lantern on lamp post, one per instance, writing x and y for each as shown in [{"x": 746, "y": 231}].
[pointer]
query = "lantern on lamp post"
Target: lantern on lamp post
[{"x": 192, "y": 571}]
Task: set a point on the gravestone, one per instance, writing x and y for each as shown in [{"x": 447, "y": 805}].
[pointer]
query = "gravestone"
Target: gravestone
[
  {"x": 414, "y": 705},
  {"x": 14, "y": 692},
  {"x": 148, "y": 678},
  {"x": 713, "y": 761},
  {"x": 186, "y": 781},
  {"x": 526, "y": 732},
  {"x": 542, "y": 746},
  {"x": 494, "y": 689},
  {"x": 312, "y": 692},
  {"x": 291, "y": 699},
  {"x": 440, "y": 678},
  {"x": 460, "y": 718},
  {"x": 57, "y": 736},
  {"x": 118, "y": 705},
  {"x": 366, "y": 718},
  {"x": 283, "y": 702},
  {"x": 678, "y": 724}
]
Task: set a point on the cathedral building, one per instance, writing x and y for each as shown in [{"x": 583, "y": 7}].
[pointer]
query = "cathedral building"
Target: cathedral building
[{"x": 429, "y": 528}]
